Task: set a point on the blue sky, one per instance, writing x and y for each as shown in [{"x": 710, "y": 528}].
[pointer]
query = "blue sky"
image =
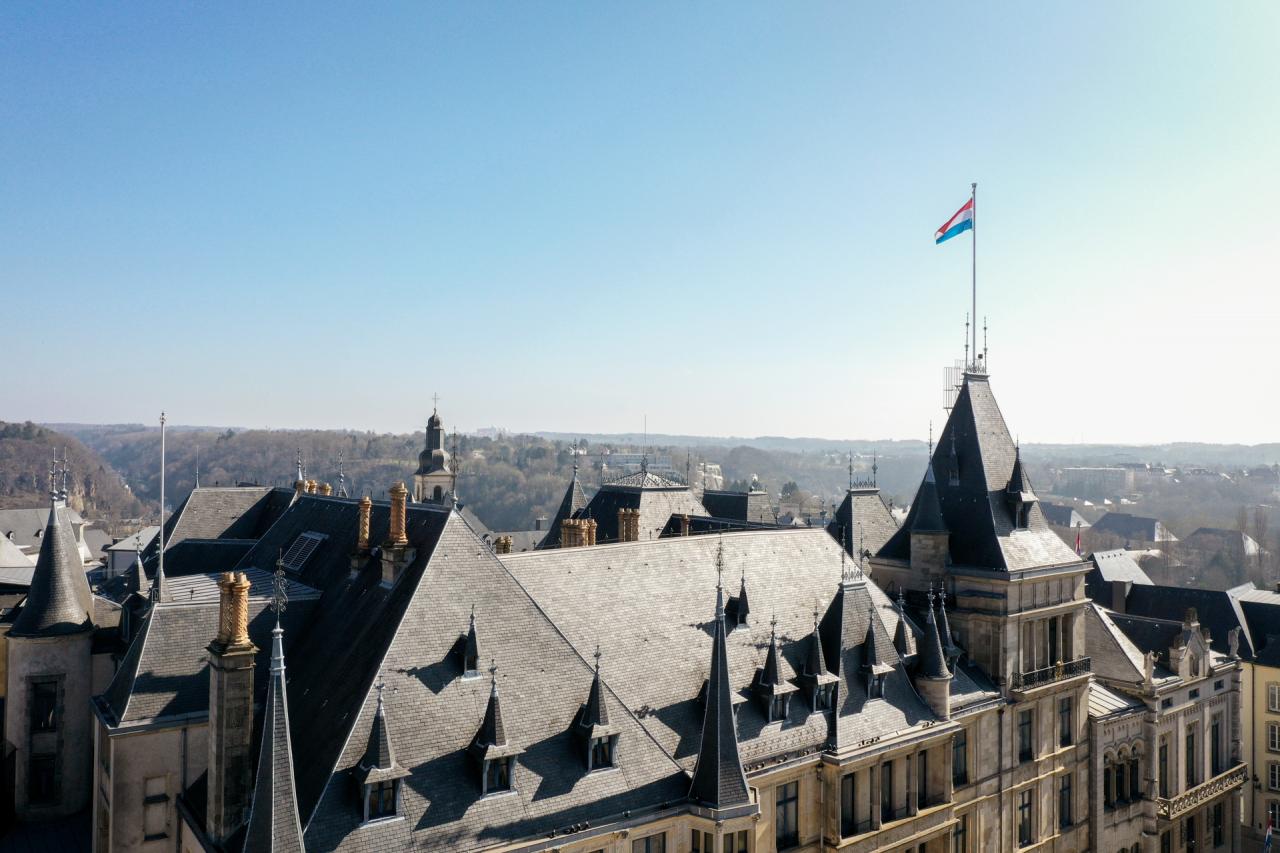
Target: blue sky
[{"x": 572, "y": 216}]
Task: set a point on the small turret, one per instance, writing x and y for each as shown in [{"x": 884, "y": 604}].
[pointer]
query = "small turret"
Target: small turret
[
  {"x": 933, "y": 679},
  {"x": 773, "y": 687}
]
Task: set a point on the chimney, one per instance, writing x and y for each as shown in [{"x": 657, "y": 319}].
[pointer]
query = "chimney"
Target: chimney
[
  {"x": 624, "y": 525},
  {"x": 684, "y": 524},
  {"x": 362, "y": 538},
  {"x": 502, "y": 545},
  {"x": 230, "y": 711},
  {"x": 396, "y": 535},
  {"x": 1119, "y": 592},
  {"x": 311, "y": 487},
  {"x": 566, "y": 533},
  {"x": 396, "y": 553},
  {"x": 299, "y": 486},
  {"x": 326, "y": 489},
  {"x": 591, "y": 531}
]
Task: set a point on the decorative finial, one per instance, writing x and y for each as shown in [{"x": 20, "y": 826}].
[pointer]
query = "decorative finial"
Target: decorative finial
[
  {"x": 342, "y": 478},
  {"x": 598, "y": 654},
  {"x": 279, "y": 585},
  {"x": 197, "y": 466},
  {"x": 875, "y": 468},
  {"x": 435, "y": 403},
  {"x": 53, "y": 470},
  {"x": 851, "y": 470},
  {"x": 931, "y": 438},
  {"x": 493, "y": 676},
  {"x": 773, "y": 627},
  {"x": 575, "y": 459},
  {"x": 720, "y": 563}
]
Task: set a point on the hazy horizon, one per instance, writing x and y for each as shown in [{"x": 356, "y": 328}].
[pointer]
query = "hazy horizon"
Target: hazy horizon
[{"x": 718, "y": 217}]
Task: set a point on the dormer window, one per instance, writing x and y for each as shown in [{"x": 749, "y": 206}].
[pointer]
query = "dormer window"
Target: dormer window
[
  {"x": 382, "y": 799},
  {"x": 602, "y": 752},
  {"x": 875, "y": 687},
  {"x": 823, "y": 697},
  {"x": 471, "y": 666},
  {"x": 497, "y": 775},
  {"x": 468, "y": 650},
  {"x": 778, "y": 708}
]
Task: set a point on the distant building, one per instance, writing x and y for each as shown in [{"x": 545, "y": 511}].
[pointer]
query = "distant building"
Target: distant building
[
  {"x": 1133, "y": 528},
  {"x": 1113, "y": 573},
  {"x": 1234, "y": 543},
  {"x": 1095, "y": 483},
  {"x": 120, "y": 556}
]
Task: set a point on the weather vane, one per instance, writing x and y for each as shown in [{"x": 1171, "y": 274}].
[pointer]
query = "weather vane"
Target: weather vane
[{"x": 279, "y": 586}]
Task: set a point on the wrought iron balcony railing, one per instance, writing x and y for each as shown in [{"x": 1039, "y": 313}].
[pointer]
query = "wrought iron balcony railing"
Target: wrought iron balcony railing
[
  {"x": 1170, "y": 808},
  {"x": 1050, "y": 674}
]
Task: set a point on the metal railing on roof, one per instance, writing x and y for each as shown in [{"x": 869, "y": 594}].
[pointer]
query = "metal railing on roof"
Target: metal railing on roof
[{"x": 1050, "y": 674}]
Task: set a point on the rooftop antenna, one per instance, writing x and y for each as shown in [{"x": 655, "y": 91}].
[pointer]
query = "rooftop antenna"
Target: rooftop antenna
[
  {"x": 66, "y": 471},
  {"x": 875, "y": 468},
  {"x": 342, "y": 478},
  {"x": 197, "y": 466}
]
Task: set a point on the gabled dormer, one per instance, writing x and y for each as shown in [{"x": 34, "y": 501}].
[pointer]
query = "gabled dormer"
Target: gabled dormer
[
  {"x": 818, "y": 682},
  {"x": 378, "y": 774},
  {"x": 875, "y": 664},
  {"x": 597, "y": 739},
  {"x": 1018, "y": 494},
  {"x": 493, "y": 754},
  {"x": 772, "y": 687},
  {"x": 738, "y": 607}
]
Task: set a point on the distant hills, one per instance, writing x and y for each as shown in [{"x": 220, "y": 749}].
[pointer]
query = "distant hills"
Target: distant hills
[{"x": 93, "y": 485}]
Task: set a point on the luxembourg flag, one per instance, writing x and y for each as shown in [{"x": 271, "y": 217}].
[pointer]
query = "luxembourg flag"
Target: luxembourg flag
[{"x": 958, "y": 224}]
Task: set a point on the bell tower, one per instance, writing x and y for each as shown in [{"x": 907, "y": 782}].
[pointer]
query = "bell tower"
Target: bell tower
[{"x": 433, "y": 481}]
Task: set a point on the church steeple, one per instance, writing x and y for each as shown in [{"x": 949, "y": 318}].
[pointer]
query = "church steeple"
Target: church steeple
[
  {"x": 718, "y": 779},
  {"x": 433, "y": 481}
]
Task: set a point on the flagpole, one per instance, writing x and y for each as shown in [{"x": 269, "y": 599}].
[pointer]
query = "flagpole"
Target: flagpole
[
  {"x": 973, "y": 197},
  {"x": 160, "y": 569}
]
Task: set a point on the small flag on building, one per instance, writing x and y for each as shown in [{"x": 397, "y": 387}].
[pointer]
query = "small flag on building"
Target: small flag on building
[
  {"x": 1078, "y": 553},
  {"x": 958, "y": 224}
]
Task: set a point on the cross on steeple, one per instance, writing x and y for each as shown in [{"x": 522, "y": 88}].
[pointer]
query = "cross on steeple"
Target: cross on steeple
[
  {"x": 597, "y": 656},
  {"x": 435, "y": 403}
]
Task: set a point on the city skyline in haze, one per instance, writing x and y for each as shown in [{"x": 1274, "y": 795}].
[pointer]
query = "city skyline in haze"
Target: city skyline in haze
[{"x": 568, "y": 218}]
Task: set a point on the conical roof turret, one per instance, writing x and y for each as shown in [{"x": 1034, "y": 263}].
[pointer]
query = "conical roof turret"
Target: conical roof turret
[{"x": 59, "y": 600}]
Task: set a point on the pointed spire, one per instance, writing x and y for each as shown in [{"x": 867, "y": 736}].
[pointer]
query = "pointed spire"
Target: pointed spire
[
  {"x": 873, "y": 654},
  {"x": 59, "y": 600},
  {"x": 159, "y": 588},
  {"x": 136, "y": 580},
  {"x": 851, "y": 470},
  {"x": 743, "y": 606},
  {"x": 933, "y": 663},
  {"x": 772, "y": 675},
  {"x": 593, "y": 717},
  {"x": 953, "y": 476},
  {"x": 492, "y": 730},
  {"x": 904, "y": 641},
  {"x": 949, "y": 648},
  {"x": 927, "y": 512},
  {"x": 875, "y": 470},
  {"x": 273, "y": 815},
  {"x": 718, "y": 779},
  {"x": 1019, "y": 489},
  {"x": 471, "y": 645},
  {"x": 342, "y": 478},
  {"x": 813, "y": 663}
]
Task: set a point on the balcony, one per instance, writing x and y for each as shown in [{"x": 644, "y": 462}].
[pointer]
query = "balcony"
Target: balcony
[
  {"x": 1172, "y": 808},
  {"x": 1050, "y": 674}
]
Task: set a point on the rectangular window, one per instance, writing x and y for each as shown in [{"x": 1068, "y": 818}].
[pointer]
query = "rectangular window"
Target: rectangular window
[
  {"x": 42, "y": 782},
  {"x": 848, "y": 815},
  {"x": 960, "y": 758},
  {"x": 1189, "y": 757},
  {"x": 1026, "y": 829},
  {"x": 1065, "y": 816},
  {"x": 1189, "y": 833},
  {"x": 1026, "y": 736},
  {"x": 1218, "y": 824},
  {"x": 1273, "y": 737},
  {"x": 1273, "y": 812},
  {"x": 155, "y": 808},
  {"x": 382, "y": 799},
  {"x": 1215, "y": 745},
  {"x": 703, "y": 842},
  {"x": 1065, "y": 725},
  {"x": 742, "y": 841},
  {"x": 650, "y": 844},
  {"x": 960, "y": 837},
  {"x": 601, "y": 752},
  {"x": 886, "y": 792},
  {"x": 497, "y": 775},
  {"x": 787, "y": 818},
  {"x": 44, "y": 706},
  {"x": 697, "y": 841},
  {"x": 1164, "y": 767},
  {"x": 922, "y": 780},
  {"x": 1166, "y": 843},
  {"x": 1273, "y": 776},
  {"x": 1273, "y": 698}
]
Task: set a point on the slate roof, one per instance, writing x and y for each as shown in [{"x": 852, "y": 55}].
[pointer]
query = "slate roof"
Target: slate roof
[
  {"x": 12, "y": 557},
  {"x": 741, "y": 506},
  {"x": 972, "y": 492},
  {"x": 225, "y": 512},
  {"x": 408, "y": 636},
  {"x": 1219, "y": 611},
  {"x": 1127, "y": 526},
  {"x": 574, "y": 500},
  {"x": 656, "y": 497},
  {"x": 662, "y": 622},
  {"x": 1062, "y": 516},
  {"x": 59, "y": 600},
  {"x": 862, "y": 517},
  {"x": 27, "y": 525},
  {"x": 1117, "y": 565},
  {"x": 1104, "y": 702},
  {"x": 718, "y": 779},
  {"x": 165, "y": 671}
]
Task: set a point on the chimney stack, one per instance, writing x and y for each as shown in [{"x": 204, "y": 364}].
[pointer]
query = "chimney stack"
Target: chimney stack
[
  {"x": 299, "y": 486},
  {"x": 396, "y": 536},
  {"x": 311, "y": 487},
  {"x": 230, "y": 711},
  {"x": 591, "y": 531},
  {"x": 326, "y": 489},
  {"x": 362, "y": 538},
  {"x": 684, "y": 524}
]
